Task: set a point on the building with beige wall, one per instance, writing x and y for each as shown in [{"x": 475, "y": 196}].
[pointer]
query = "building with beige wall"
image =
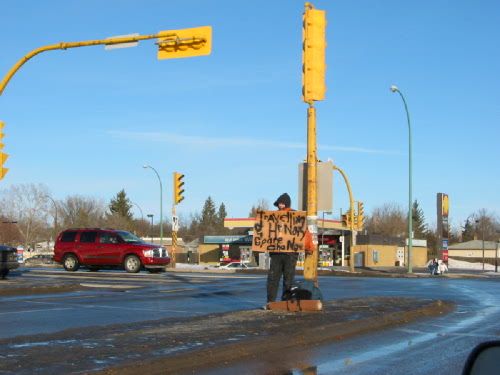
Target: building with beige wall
[
  {"x": 383, "y": 251},
  {"x": 390, "y": 255},
  {"x": 474, "y": 249}
]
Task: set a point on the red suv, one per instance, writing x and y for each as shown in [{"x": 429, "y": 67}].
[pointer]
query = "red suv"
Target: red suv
[{"x": 95, "y": 247}]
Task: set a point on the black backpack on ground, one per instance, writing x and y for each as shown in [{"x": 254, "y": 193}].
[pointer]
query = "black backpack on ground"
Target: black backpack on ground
[{"x": 305, "y": 290}]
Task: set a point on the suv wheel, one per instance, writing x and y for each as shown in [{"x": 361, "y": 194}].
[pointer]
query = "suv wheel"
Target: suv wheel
[
  {"x": 132, "y": 264},
  {"x": 71, "y": 263}
]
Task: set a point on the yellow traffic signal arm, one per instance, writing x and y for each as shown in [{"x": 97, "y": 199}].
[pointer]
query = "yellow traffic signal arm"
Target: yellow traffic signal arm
[
  {"x": 86, "y": 43},
  {"x": 351, "y": 213}
]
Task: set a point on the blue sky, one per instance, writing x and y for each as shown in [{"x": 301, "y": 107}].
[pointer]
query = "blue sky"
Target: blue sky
[{"x": 84, "y": 121}]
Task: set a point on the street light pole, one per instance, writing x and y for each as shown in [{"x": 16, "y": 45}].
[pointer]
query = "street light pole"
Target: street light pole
[
  {"x": 496, "y": 257},
  {"x": 55, "y": 215},
  {"x": 410, "y": 223},
  {"x": 323, "y": 225},
  {"x": 161, "y": 203},
  {"x": 482, "y": 236},
  {"x": 151, "y": 226},
  {"x": 140, "y": 209}
]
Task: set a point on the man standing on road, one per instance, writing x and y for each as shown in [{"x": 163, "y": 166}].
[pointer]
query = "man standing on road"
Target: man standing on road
[
  {"x": 4, "y": 267},
  {"x": 283, "y": 263}
]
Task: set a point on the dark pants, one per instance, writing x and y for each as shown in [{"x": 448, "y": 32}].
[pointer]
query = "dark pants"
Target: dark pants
[
  {"x": 4, "y": 268},
  {"x": 281, "y": 264}
]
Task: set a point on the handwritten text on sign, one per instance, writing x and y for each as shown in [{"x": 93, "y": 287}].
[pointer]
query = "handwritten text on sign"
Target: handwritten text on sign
[{"x": 279, "y": 231}]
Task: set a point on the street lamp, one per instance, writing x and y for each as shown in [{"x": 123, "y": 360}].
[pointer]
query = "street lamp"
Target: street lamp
[
  {"x": 482, "y": 237},
  {"x": 55, "y": 214},
  {"x": 140, "y": 209},
  {"x": 151, "y": 226},
  {"x": 496, "y": 256},
  {"x": 410, "y": 224},
  {"x": 323, "y": 225},
  {"x": 161, "y": 202}
]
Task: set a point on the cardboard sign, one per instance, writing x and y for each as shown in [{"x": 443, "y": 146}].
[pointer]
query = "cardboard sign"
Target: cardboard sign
[{"x": 279, "y": 231}]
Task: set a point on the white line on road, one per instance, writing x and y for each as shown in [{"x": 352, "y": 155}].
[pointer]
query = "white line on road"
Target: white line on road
[
  {"x": 458, "y": 334},
  {"x": 94, "y": 306},
  {"x": 112, "y": 286},
  {"x": 175, "y": 290},
  {"x": 35, "y": 310},
  {"x": 52, "y": 276}
]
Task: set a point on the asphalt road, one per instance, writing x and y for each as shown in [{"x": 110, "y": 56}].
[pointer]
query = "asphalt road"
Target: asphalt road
[{"x": 439, "y": 345}]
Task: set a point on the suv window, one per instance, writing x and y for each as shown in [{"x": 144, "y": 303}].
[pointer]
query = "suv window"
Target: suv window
[
  {"x": 108, "y": 238},
  {"x": 68, "y": 237},
  {"x": 88, "y": 237}
]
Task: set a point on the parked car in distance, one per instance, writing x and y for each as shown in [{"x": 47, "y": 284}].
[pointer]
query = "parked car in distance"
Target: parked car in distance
[
  {"x": 97, "y": 247},
  {"x": 236, "y": 266},
  {"x": 39, "y": 259},
  {"x": 8, "y": 260}
]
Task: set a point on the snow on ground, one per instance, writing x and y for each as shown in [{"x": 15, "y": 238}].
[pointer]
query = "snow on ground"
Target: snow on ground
[
  {"x": 193, "y": 266},
  {"x": 460, "y": 264}
]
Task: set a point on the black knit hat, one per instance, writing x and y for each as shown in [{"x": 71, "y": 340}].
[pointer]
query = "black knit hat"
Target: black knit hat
[{"x": 285, "y": 199}]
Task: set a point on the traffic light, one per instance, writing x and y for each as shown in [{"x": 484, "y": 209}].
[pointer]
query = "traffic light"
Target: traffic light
[
  {"x": 313, "y": 54},
  {"x": 361, "y": 216},
  {"x": 3, "y": 155},
  {"x": 346, "y": 219},
  {"x": 178, "y": 187},
  {"x": 185, "y": 43}
]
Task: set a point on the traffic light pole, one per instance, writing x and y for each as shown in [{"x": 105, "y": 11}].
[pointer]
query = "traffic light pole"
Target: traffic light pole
[
  {"x": 311, "y": 260},
  {"x": 172, "y": 44},
  {"x": 351, "y": 214},
  {"x": 68, "y": 45},
  {"x": 174, "y": 239}
]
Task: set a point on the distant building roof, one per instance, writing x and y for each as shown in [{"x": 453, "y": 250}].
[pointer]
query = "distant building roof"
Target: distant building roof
[
  {"x": 243, "y": 239},
  {"x": 379, "y": 239},
  {"x": 473, "y": 245}
]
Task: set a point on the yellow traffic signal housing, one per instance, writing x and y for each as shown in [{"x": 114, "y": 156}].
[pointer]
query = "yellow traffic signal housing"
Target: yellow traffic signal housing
[
  {"x": 178, "y": 187},
  {"x": 3, "y": 155},
  {"x": 361, "y": 216},
  {"x": 313, "y": 55},
  {"x": 346, "y": 219},
  {"x": 3, "y": 158},
  {"x": 185, "y": 43}
]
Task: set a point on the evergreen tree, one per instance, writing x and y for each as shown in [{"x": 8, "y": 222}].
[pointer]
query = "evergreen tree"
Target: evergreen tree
[
  {"x": 221, "y": 215},
  {"x": 418, "y": 221},
  {"x": 209, "y": 220},
  {"x": 468, "y": 231},
  {"x": 121, "y": 205}
]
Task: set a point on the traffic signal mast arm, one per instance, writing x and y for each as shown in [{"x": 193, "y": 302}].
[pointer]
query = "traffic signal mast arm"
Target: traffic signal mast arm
[
  {"x": 67, "y": 45},
  {"x": 350, "y": 213},
  {"x": 170, "y": 39}
]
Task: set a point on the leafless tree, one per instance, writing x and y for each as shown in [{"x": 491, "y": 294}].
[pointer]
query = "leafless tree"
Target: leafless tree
[
  {"x": 484, "y": 221},
  {"x": 261, "y": 205},
  {"x": 79, "y": 211},
  {"x": 9, "y": 232},
  {"x": 27, "y": 204},
  {"x": 389, "y": 219}
]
